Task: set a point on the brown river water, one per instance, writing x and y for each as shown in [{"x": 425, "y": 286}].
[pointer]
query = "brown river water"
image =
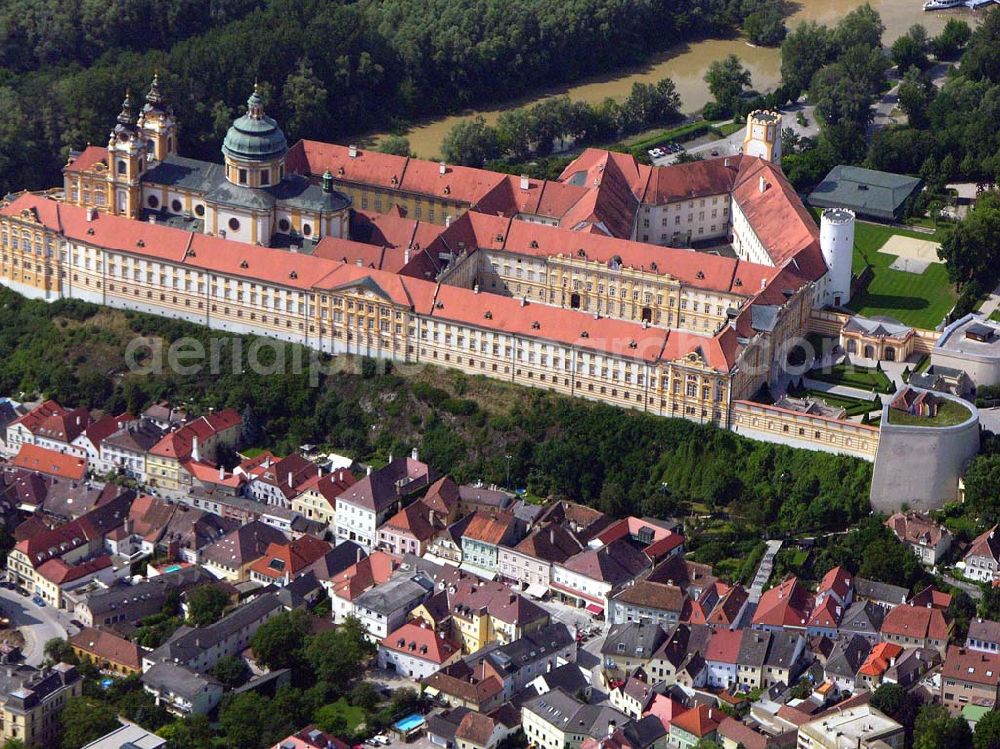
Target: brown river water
[{"x": 687, "y": 63}]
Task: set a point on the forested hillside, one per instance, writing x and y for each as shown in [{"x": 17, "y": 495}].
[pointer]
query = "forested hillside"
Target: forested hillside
[
  {"x": 618, "y": 460},
  {"x": 329, "y": 69}
]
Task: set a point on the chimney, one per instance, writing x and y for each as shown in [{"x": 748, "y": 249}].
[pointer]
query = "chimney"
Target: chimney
[
  {"x": 442, "y": 168},
  {"x": 475, "y": 288},
  {"x": 524, "y": 182},
  {"x": 433, "y": 516},
  {"x": 762, "y": 185},
  {"x": 91, "y": 214},
  {"x": 523, "y": 301},
  {"x": 222, "y": 473},
  {"x": 152, "y": 218},
  {"x": 406, "y": 255},
  {"x": 352, "y": 152},
  {"x": 195, "y": 455},
  {"x": 358, "y": 560},
  {"x": 369, "y": 471},
  {"x": 552, "y": 536},
  {"x": 319, "y": 472},
  {"x": 447, "y": 221},
  {"x": 390, "y": 457},
  {"x": 726, "y": 163},
  {"x": 291, "y": 485},
  {"x": 611, "y": 728},
  {"x": 414, "y": 455}
]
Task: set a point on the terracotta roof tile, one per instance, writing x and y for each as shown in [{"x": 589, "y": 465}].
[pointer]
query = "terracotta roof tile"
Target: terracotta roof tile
[{"x": 50, "y": 462}]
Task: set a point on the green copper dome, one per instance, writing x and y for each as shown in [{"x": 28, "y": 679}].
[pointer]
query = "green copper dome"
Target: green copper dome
[{"x": 255, "y": 136}]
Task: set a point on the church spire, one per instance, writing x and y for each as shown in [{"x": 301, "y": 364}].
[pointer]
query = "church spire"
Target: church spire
[
  {"x": 126, "y": 117},
  {"x": 154, "y": 98},
  {"x": 255, "y": 104}
]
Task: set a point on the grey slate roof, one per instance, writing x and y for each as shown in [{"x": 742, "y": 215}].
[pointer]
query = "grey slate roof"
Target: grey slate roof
[
  {"x": 847, "y": 656},
  {"x": 568, "y": 677},
  {"x": 877, "y": 591},
  {"x": 862, "y": 617},
  {"x": 178, "y": 680},
  {"x": 189, "y": 174},
  {"x": 984, "y": 630},
  {"x": 395, "y": 594},
  {"x": 531, "y": 648},
  {"x": 634, "y": 639},
  {"x": 866, "y": 191},
  {"x": 122, "y": 596},
  {"x": 564, "y": 712},
  {"x": 188, "y": 642},
  {"x": 754, "y": 645}
]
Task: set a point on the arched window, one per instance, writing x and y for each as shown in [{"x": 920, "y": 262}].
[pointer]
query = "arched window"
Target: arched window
[
  {"x": 150, "y": 146},
  {"x": 890, "y": 353},
  {"x": 122, "y": 167},
  {"x": 869, "y": 352}
]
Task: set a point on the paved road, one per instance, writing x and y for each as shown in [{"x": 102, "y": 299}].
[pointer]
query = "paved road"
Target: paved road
[{"x": 38, "y": 624}]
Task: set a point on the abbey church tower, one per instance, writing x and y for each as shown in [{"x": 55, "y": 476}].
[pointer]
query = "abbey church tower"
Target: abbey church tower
[
  {"x": 126, "y": 162},
  {"x": 157, "y": 125}
]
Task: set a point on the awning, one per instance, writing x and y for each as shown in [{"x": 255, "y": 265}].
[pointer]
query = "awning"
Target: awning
[
  {"x": 478, "y": 571},
  {"x": 594, "y": 609},
  {"x": 536, "y": 590}
]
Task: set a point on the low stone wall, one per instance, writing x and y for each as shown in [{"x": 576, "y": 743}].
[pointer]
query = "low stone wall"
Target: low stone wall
[
  {"x": 921, "y": 465},
  {"x": 796, "y": 429}
]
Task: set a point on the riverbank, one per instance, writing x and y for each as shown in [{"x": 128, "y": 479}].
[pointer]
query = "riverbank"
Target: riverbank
[{"x": 686, "y": 64}]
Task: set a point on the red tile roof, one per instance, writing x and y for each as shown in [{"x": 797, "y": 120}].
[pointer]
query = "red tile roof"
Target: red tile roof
[
  {"x": 290, "y": 558},
  {"x": 785, "y": 605},
  {"x": 971, "y": 665},
  {"x": 34, "y": 418},
  {"x": 180, "y": 444},
  {"x": 837, "y": 580},
  {"x": 87, "y": 158},
  {"x": 420, "y": 641},
  {"x": 724, "y": 646},
  {"x": 699, "y": 721},
  {"x": 489, "y": 527},
  {"x": 880, "y": 659},
  {"x": 105, "y": 646},
  {"x": 914, "y": 621},
  {"x": 64, "y": 426},
  {"x": 50, "y": 462},
  {"x": 58, "y": 572}
]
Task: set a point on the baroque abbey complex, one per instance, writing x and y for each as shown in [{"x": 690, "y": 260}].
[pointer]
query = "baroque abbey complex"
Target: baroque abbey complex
[{"x": 673, "y": 290}]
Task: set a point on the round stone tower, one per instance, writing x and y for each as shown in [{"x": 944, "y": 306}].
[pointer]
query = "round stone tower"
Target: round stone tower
[{"x": 836, "y": 241}]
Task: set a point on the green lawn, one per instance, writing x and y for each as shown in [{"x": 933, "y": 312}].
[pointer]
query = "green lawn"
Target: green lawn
[
  {"x": 995, "y": 315},
  {"x": 728, "y": 128},
  {"x": 851, "y": 375},
  {"x": 949, "y": 414},
  {"x": 353, "y": 715},
  {"x": 919, "y": 300}
]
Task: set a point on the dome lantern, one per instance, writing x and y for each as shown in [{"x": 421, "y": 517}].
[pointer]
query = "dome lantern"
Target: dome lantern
[{"x": 254, "y": 137}]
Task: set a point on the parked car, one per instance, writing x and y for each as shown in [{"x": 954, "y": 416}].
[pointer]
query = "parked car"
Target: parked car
[
  {"x": 38, "y": 600},
  {"x": 76, "y": 623}
]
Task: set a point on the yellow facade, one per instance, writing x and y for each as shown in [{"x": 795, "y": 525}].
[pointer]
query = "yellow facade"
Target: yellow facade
[
  {"x": 313, "y": 505},
  {"x": 38, "y": 726},
  {"x": 29, "y": 254},
  {"x": 417, "y": 206}
]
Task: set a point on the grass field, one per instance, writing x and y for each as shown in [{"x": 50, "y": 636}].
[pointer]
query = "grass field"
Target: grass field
[
  {"x": 851, "y": 375},
  {"x": 352, "y": 714},
  {"x": 918, "y": 300},
  {"x": 949, "y": 414}
]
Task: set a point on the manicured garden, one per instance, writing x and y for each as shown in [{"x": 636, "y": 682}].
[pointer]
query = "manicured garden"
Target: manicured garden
[
  {"x": 921, "y": 300},
  {"x": 853, "y": 406},
  {"x": 851, "y": 375}
]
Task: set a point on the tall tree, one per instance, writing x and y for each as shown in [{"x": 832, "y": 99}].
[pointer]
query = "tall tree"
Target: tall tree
[
  {"x": 470, "y": 143},
  {"x": 305, "y": 96},
  {"x": 727, "y": 79}
]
